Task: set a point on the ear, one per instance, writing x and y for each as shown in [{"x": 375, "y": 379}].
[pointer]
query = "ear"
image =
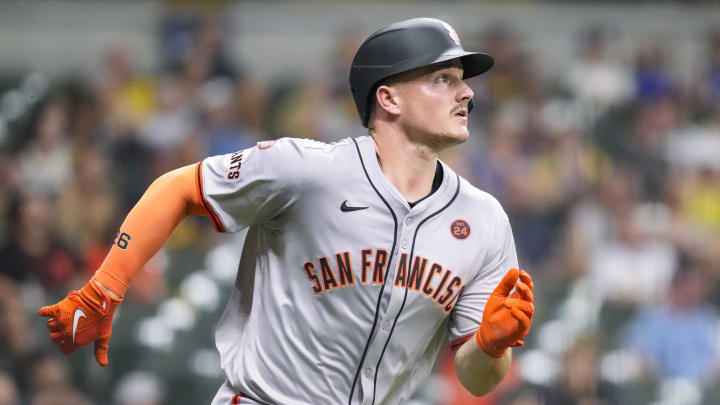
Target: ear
[{"x": 388, "y": 100}]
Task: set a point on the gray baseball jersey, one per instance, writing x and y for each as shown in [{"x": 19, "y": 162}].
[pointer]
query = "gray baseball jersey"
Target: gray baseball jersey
[{"x": 345, "y": 294}]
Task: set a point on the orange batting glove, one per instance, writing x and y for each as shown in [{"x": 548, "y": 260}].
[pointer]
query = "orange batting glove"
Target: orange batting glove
[
  {"x": 82, "y": 317},
  {"x": 507, "y": 317}
]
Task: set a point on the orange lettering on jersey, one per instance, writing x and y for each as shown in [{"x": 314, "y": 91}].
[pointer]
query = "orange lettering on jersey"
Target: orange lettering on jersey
[
  {"x": 329, "y": 281},
  {"x": 344, "y": 269},
  {"x": 452, "y": 302},
  {"x": 380, "y": 261},
  {"x": 442, "y": 283},
  {"x": 435, "y": 268},
  {"x": 445, "y": 294},
  {"x": 365, "y": 264},
  {"x": 456, "y": 282},
  {"x": 416, "y": 275},
  {"x": 401, "y": 271},
  {"x": 310, "y": 272}
]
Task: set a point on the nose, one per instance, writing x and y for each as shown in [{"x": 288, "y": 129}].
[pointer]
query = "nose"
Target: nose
[{"x": 466, "y": 93}]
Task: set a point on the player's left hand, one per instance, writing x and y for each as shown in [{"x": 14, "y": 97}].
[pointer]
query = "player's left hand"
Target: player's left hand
[
  {"x": 507, "y": 317},
  {"x": 82, "y": 317}
]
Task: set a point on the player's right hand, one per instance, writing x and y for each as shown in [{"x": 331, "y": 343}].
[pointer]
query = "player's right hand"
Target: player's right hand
[
  {"x": 507, "y": 317},
  {"x": 82, "y": 317}
]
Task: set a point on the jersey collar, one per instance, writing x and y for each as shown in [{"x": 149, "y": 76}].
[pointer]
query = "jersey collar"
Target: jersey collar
[{"x": 434, "y": 201}]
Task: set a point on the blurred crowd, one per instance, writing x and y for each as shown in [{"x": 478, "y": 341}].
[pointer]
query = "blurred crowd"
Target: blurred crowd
[{"x": 609, "y": 171}]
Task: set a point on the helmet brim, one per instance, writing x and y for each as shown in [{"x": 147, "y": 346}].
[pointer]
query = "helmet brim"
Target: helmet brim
[{"x": 474, "y": 63}]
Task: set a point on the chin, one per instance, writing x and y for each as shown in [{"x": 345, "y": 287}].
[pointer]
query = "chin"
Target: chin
[
  {"x": 459, "y": 134},
  {"x": 440, "y": 137},
  {"x": 463, "y": 134},
  {"x": 445, "y": 139}
]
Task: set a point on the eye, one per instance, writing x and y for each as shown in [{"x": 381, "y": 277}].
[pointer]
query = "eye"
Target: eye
[{"x": 443, "y": 78}]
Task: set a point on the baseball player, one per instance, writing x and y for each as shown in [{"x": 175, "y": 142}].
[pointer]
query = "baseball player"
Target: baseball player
[{"x": 362, "y": 258}]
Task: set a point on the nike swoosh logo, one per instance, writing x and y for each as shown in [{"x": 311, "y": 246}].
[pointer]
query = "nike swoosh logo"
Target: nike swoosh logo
[
  {"x": 79, "y": 313},
  {"x": 346, "y": 208}
]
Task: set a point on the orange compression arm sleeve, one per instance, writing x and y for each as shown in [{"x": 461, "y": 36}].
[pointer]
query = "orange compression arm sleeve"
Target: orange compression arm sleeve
[{"x": 168, "y": 200}]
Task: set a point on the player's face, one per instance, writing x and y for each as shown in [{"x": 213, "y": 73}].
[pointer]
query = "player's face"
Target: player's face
[{"x": 435, "y": 106}]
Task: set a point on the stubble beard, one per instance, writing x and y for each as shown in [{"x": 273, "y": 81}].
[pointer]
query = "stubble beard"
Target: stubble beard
[
  {"x": 436, "y": 139},
  {"x": 439, "y": 141}
]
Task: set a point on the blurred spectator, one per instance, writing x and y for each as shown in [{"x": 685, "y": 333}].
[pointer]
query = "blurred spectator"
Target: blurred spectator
[
  {"x": 580, "y": 382},
  {"x": 499, "y": 161},
  {"x": 126, "y": 96},
  {"x": 590, "y": 218},
  {"x": 45, "y": 164},
  {"x": 15, "y": 335},
  {"x": 652, "y": 81},
  {"x": 635, "y": 136},
  {"x": 526, "y": 394},
  {"x": 172, "y": 122},
  {"x": 208, "y": 58},
  {"x": 176, "y": 31},
  {"x": 10, "y": 180},
  {"x": 678, "y": 338},
  {"x": 192, "y": 38},
  {"x": 61, "y": 396},
  {"x": 47, "y": 371},
  {"x": 300, "y": 110},
  {"x": 596, "y": 80},
  {"x": 644, "y": 149},
  {"x": 253, "y": 105},
  {"x": 48, "y": 382},
  {"x": 632, "y": 267},
  {"x": 694, "y": 188},
  {"x": 338, "y": 117},
  {"x": 558, "y": 169},
  {"x": 130, "y": 172},
  {"x": 695, "y": 198},
  {"x": 34, "y": 252},
  {"x": 9, "y": 394},
  {"x": 87, "y": 208},
  {"x": 712, "y": 88},
  {"x": 348, "y": 39},
  {"x": 514, "y": 76},
  {"x": 173, "y": 130},
  {"x": 695, "y": 147},
  {"x": 223, "y": 116},
  {"x": 84, "y": 115},
  {"x": 139, "y": 388},
  {"x": 151, "y": 286}
]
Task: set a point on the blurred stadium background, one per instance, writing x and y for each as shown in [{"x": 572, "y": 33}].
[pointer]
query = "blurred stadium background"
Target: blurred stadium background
[{"x": 598, "y": 130}]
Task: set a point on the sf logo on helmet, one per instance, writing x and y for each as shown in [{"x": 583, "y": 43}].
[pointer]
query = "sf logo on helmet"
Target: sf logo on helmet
[{"x": 451, "y": 31}]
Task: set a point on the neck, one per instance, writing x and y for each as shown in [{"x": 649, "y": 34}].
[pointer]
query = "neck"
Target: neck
[{"x": 410, "y": 166}]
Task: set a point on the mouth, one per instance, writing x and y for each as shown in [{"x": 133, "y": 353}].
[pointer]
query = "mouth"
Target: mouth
[{"x": 462, "y": 113}]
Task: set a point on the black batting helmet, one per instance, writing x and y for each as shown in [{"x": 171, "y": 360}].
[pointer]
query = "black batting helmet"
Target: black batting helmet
[{"x": 404, "y": 46}]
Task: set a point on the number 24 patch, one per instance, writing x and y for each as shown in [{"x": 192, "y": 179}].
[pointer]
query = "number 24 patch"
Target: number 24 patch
[{"x": 460, "y": 229}]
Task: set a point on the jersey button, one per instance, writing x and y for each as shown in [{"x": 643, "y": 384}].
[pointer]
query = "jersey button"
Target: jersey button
[
  {"x": 404, "y": 244},
  {"x": 368, "y": 372},
  {"x": 408, "y": 221},
  {"x": 386, "y": 325}
]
